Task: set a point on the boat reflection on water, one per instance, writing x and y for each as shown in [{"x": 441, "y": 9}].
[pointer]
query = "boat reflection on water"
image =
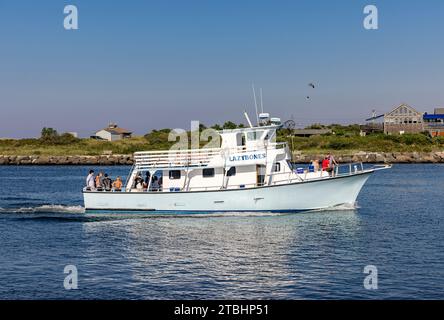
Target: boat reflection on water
[{"x": 247, "y": 255}]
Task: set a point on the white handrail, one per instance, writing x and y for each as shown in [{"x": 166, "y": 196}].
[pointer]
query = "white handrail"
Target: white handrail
[{"x": 190, "y": 157}]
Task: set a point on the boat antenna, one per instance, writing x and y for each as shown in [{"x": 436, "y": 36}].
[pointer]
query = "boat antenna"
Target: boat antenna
[
  {"x": 262, "y": 105},
  {"x": 255, "y": 104},
  {"x": 248, "y": 119}
]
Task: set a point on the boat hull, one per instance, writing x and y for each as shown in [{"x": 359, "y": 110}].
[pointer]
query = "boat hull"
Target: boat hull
[{"x": 294, "y": 197}]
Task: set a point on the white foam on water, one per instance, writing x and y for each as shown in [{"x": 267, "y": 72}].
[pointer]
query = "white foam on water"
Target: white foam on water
[
  {"x": 56, "y": 208},
  {"x": 237, "y": 214},
  {"x": 341, "y": 207}
]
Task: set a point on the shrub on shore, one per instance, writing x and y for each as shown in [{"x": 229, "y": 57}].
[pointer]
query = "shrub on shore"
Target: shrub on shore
[{"x": 348, "y": 141}]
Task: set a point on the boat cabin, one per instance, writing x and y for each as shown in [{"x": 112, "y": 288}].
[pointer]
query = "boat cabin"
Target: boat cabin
[{"x": 247, "y": 158}]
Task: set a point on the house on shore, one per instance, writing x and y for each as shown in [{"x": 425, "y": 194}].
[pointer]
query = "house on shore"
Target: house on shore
[
  {"x": 112, "y": 133},
  {"x": 403, "y": 119}
]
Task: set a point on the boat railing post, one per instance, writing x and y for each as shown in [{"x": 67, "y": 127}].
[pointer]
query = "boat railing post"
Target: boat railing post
[
  {"x": 149, "y": 181},
  {"x": 128, "y": 178}
]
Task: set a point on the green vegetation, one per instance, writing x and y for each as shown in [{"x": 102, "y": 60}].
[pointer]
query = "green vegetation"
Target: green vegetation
[
  {"x": 346, "y": 139},
  {"x": 51, "y": 137},
  {"x": 78, "y": 147}
]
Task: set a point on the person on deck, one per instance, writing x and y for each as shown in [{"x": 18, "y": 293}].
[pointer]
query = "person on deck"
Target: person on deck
[
  {"x": 160, "y": 182},
  {"x": 117, "y": 185},
  {"x": 332, "y": 163},
  {"x": 107, "y": 183},
  {"x": 137, "y": 180},
  {"x": 325, "y": 163},
  {"x": 155, "y": 184},
  {"x": 315, "y": 165},
  {"x": 99, "y": 180},
  {"x": 90, "y": 184},
  {"x": 139, "y": 185},
  {"x": 145, "y": 185}
]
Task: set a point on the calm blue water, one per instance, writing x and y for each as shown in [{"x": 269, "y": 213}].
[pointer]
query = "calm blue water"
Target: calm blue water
[{"x": 398, "y": 227}]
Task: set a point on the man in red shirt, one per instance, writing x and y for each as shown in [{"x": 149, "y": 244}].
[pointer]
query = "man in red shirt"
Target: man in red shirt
[{"x": 325, "y": 164}]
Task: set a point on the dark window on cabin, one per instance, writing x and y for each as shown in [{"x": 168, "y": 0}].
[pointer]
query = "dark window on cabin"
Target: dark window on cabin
[
  {"x": 208, "y": 173},
  {"x": 277, "y": 167},
  {"x": 174, "y": 174},
  {"x": 231, "y": 172}
]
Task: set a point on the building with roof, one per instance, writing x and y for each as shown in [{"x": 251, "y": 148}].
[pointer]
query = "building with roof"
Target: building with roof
[
  {"x": 403, "y": 119},
  {"x": 112, "y": 133},
  {"x": 434, "y": 123}
]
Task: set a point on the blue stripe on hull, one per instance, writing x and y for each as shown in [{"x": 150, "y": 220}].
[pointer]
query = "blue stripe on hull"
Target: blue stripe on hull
[{"x": 185, "y": 212}]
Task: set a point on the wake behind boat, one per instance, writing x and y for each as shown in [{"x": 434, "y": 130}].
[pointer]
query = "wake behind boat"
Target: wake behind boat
[{"x": 250, "y": 171}]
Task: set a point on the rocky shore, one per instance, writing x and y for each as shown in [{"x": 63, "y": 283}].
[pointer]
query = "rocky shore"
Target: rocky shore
[
  {"x": 67, "y": 160},
  {"x": 377, "y": 157},
  {"x": 366, "y": 157}
]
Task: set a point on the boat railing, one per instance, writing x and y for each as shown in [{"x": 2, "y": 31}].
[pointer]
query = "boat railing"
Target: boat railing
[
  {"x": 175, "y": 158},
  {"x": 348, "y": 168},
  {"x": 339, "y": 170},
  {"x": 190, "y": 157},
  {"x": 287, "y": 178}
]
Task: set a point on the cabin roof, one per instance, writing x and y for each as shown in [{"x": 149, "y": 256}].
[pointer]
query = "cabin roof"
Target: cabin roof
[{"x": 247, "y": 129}]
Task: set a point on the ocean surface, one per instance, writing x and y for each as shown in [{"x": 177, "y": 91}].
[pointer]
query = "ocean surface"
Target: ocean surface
[{"x": 397, "y": 226}]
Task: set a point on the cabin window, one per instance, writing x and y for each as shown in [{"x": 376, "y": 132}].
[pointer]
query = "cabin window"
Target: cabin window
[
  {"x": 240, "y": 138},
  {"x": 251, "y": 136},
  {"x": 208, "y": 173},
  {"x": 231, "y": 172},
  {"x": 260, "y": 174},
  {"x": 174, "y": 174},
  {"x": 277, "y": 167},
  {"x": 254, "y": 135}
]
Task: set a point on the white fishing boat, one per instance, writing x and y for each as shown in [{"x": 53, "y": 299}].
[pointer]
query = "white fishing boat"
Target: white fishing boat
[{"x": 250, "y": 171}]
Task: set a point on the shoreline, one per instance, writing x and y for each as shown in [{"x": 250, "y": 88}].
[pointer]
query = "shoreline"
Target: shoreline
[{"x": 298, "y": 157}]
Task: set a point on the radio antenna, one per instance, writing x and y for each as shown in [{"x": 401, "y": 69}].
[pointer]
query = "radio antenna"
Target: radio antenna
[
  {"x": 255, "y": 105},
  {"x": 262, "y": 105}
]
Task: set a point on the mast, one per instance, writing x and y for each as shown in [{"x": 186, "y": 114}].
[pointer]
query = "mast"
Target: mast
[
  {"x": 262, "y": 105},
  {"x": 255, "y": 105}
]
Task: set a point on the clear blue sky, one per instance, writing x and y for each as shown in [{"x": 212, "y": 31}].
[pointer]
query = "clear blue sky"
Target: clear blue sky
[{"x": 154, "y": 64}]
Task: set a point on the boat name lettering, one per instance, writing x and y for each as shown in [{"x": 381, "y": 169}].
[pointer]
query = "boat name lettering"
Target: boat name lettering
[{"x": 255, "y": 156}]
